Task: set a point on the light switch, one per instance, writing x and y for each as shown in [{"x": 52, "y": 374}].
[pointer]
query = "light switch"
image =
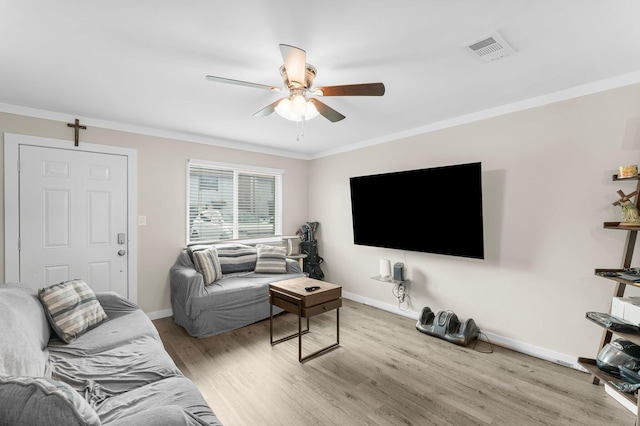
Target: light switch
[{"x": 142, "y": 221}]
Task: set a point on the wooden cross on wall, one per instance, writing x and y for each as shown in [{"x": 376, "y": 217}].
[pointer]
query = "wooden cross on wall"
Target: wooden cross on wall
[{"x": 77, "y": 128}]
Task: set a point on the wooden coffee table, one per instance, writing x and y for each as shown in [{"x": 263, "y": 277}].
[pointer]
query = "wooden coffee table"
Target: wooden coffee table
[{"x": 291, "y": 296}]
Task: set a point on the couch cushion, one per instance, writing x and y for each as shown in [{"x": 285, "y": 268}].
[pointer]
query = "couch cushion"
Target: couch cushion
[
  {"x": 24, "y": 333},
  {"x": 40, "y": 401},
  {"x": 71, "y": 308},
  {"x": 207, "y": 263},
  {"x": 175, "y": 391},
  {"x": 236, "y": 257},
  {"x": 271, "y": 260},
  {"x": 122, "y": 354}
]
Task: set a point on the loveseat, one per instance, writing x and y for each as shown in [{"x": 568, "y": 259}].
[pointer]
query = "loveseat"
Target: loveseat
[
  {"x": 220, "y": 287},
  {"x": 115, "y": 372}
]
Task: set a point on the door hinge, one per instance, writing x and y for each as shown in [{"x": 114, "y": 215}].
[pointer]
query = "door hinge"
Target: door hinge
[
  {"x": 19, "y": 244},
  {"x": 18, "y": 166}
]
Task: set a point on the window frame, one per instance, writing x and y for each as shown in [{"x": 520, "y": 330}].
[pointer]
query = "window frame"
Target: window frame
[{"x": 237, "y": 169}]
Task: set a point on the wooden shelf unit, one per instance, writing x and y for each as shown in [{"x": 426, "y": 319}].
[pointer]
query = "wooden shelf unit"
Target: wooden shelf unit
[
  {"x": 620, "y": 287},
  {"x": 617, "y": 279},
  {"x": 590, "y": 365},
  {"x": 617, "y": 225}
]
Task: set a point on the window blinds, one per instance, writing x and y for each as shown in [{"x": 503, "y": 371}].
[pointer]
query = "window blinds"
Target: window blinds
[{"x": 233, "y": 203}]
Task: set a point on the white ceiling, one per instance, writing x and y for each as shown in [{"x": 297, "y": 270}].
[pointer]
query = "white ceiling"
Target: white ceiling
[{"x": 140, "y": 65}]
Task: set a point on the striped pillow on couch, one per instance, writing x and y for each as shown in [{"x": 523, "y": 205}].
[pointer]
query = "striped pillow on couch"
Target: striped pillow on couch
[
  {"x": 207, "y": 263},
  {"x": 236, "y": 257},
  {"x": 233, "y": 257},
  {"x": 71, "y": 308},
  {"x": 271, "y": 260}
]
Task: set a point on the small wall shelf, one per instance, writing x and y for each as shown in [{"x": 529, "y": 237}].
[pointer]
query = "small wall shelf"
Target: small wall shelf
[{"x": 388, "y": 280}]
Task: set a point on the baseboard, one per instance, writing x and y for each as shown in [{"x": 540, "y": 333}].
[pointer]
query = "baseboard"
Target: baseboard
[
  {"x": 380, "y": 305},
  {"x": 514, "y": 345},
  {"x": 160, "y": 314}
]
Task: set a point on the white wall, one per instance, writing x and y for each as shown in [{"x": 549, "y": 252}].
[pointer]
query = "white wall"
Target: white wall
[
  {"x": 161, "y": 193},
  {"x": 547, "y": 190}
]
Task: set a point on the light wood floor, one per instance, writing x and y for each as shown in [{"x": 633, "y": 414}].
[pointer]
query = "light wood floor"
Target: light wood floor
[{"x": 384, "y": 373}]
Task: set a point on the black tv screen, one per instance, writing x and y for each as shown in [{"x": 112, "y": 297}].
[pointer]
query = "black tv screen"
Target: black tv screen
[{"x": 434, "y": 210}]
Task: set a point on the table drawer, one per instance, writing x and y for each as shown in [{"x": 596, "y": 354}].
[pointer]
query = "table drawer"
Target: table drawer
[
  {"x": 324, "y": 307},
  {"x": 312, "y": 298},
  {"x": 288, "y": 305}
]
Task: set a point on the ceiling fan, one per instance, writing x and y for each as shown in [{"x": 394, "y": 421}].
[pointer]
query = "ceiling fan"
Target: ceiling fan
[{"x": 298, "y": 78}]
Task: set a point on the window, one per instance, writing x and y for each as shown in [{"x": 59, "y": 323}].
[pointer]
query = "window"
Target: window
[{"x": 233, "y": 202}]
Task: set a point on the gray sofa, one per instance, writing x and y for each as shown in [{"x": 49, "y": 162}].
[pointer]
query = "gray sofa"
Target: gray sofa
[
  {"x": 239, "y": 298},
  {"x": 117, "y": 373}
]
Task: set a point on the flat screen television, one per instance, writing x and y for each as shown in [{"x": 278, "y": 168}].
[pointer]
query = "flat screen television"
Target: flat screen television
[{"x": 434, "y": 210}]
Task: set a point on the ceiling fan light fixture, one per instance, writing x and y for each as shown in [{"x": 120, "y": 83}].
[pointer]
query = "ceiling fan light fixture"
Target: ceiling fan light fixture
[
  {"x": 296, "y": 108},
  {"x": 299, "y": 105},
  {"x": 312, "y": 112}
]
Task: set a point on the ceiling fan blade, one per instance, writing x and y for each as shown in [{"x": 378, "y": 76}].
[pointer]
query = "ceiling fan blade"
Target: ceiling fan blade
[
  {"x": 365, "y": 89},
  {"x": 267, "y": 110},
  {"x": 242, "y": 83},
  {"x": 295, "y": 60},
  {"x": 326, "y": 111}
]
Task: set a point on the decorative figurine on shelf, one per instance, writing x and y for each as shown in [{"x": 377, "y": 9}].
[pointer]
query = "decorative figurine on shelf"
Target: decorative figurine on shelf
[
  {"x": 627, "y": 171},
  {"x": 630, "y": 215}
]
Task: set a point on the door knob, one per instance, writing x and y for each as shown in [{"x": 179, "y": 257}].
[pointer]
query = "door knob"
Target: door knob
[{"x": 121, "y": 252}]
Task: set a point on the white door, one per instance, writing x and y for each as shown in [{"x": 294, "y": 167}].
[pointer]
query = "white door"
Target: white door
[{"x": 73, "y": 218}]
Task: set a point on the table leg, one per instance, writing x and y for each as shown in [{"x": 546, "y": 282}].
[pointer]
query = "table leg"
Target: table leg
[
  {"x": 300, "y": 330},
  {"x": 338, "y": 325},
  {"x": 270, "y": 318},
  {"x": 325, "y": 349},
  {"x": 294, "y": 335}
]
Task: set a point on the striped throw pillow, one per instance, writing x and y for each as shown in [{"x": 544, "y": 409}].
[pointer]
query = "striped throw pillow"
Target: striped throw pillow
[
  {"x": 71, "y": 308},
  {"x": 207, "y": 263},
  {"x": 196, "y": 247},
  {"x": 271, "y": 260},
  {"x": 236, "y": 257}
]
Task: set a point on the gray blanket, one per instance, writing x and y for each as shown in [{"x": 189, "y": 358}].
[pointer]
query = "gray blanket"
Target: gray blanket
[
  {"x": 235, "y": 300},
  {"x": 121, "y": 368}
]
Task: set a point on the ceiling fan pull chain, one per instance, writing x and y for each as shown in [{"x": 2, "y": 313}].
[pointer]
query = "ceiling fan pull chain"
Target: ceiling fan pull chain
[{"x": 300, "y": 129}]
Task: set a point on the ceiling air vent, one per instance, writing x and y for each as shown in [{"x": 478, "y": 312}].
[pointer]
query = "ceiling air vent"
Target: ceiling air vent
[{"x": 491, "y": 48}]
